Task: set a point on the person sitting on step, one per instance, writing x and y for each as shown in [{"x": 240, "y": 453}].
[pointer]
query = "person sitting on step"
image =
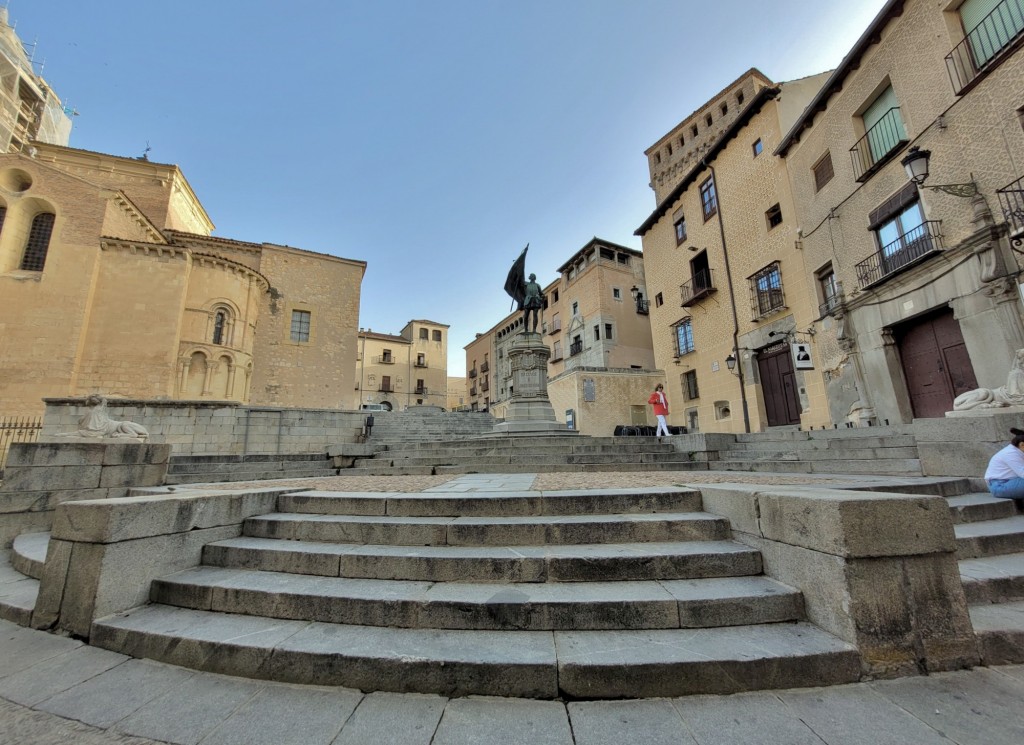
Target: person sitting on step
[{"x": 1005, "y": 472}]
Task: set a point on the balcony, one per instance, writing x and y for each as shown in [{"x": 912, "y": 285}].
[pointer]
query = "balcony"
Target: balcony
[
  {"x": 903, "y": 252},
  {"x": 982, "y": 47},
  {"x": 386, "y": 388},
  {"x": 1011, "y": 200},
  {"x": 826, "y": 308},
  {"x": 878, "y": 145},
  {"x": 484, "y": 385},
  {"x": 421, "y": 363},
  {"x": 472, "y": 391},
  {"x": 698, "y": 288},
  {"x": 556, "y": 356},
  {"x": 575, "y": 348},
  {"x": 643, "y": 307},
  {"x": 420, "y": 390},
  {"x": 556, "y": 328},
  {"x": 472, "y": 373},
  {"x": 384, "y": 359},
  {"x": 484, "y": 367}
]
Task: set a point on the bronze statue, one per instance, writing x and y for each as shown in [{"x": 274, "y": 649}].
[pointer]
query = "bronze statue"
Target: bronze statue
[{"x": 527, "y": 294}]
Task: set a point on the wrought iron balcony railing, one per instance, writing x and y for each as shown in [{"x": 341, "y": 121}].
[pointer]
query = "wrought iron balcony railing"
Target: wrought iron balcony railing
[
  {"x": 421, "y": 363},
  {"x": 484, "y": 367},
  {"x": 420, "y": 391},
  {"x": 878, "y": 144},
  {"x": 981, "y": 47},
  {"x": 472, "y": 373},
  {"x": 906, "y": 250},
  {"x": 698, "y": 288},
  {"x": 386, "y": 388},
  {"x": 484, "y": 385},
  {"x": 575, "y": 348},
  {"x": 1011, "y": 199},
  {"x": 830, "y": 304},
  {"x": 472, "y": 391},
  {"x": 643, "y": 307},
  {"x": 555, "y": 328},
  {"x": 384, "y": 359}
]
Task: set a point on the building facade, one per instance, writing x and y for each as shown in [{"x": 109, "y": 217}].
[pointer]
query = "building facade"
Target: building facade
[
  {"x": 110, "y": 282},
  {"x": 917, "y": 285},
  {"x": 730, "y": 300},
  {"x": 405, "y": 369}
]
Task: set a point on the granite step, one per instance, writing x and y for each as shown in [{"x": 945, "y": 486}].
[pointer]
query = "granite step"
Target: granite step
[
  {"x": 539, "y": 606},
  {"x": 1000, "y": 632},
  {"x": 823, "y": 454},
  {"x": 993, "y": 579},
  {"x": 28, "y": 554},
  {"x": 628, "y": 446},
  {"x": 875, "y": 467},
  {"x": 990, "y": 538},
  {"x": 832, "y": 444},
  {"x": 530, "y": 530},
  {"x": 844, "y": 433},
  {"x": 536, "y": 664},
  {"x": 980, "y": 507},
  {"x": 573, "y": 563},
  {"x": 538, "y": 460},
  {"x": 427, "y": 504},
  {"x": 18, "y": 592}
]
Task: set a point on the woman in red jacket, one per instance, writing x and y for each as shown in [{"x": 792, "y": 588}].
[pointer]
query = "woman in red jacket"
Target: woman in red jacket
[{"x": 660, "y": 404}]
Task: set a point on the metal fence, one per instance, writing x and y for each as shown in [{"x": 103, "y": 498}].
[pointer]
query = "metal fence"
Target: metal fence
[{"x": 17, "y": 429}]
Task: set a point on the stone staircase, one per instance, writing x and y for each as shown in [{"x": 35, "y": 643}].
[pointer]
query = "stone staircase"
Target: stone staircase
[
  {"x": 882, "y": 451},
  {"x": 525, "y": 455},
  {"x": 613, "y": 594},
  {"x": 204, "y": 469},
  {"x": 608, "y": 594}
]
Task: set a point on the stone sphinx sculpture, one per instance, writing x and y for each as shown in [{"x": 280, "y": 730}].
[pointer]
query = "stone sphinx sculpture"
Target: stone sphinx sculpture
[
  {"x": 1011, "y": 394},
  {"x": 98, "y": 424}
]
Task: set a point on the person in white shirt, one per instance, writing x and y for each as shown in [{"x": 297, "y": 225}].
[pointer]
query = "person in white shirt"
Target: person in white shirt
[{"x": 1005, "y": 472}]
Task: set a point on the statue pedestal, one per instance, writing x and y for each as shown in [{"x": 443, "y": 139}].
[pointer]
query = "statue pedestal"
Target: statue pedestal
[
  {"x": 987, "y": 413},
  {"x": 529, "y": 410}
]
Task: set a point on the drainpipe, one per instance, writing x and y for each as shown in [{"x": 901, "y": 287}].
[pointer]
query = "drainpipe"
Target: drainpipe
[{"x": 732, "y": 300}]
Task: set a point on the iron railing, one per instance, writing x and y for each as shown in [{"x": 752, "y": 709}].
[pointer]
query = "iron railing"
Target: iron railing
[
  {"x": 485, "y": 385},
  {"x": 913, "y": 245},
  {"x": 386, "y": 388},
  {"x": 420, "y": 391},
  {"x": 643, "y": 307},
  {"x": 472, "y": 391},
  {"x": 17, "y": 429},
  {"x": 384, "y": 359},
  {"x": 484, "y": 367},
  {"x": 1011, "y": 199},
  {"x": 702, "y": 285},
  {"x": 575, "y": 348},
  {"x": 830, "y": 304},
  {"x": 472, "y": 373},
  {"x": 981, "y": 46},
  {"x": 878, "y": 143},
  {"x": 421, "y": 363},
  {"x": 556, "y": 327}
]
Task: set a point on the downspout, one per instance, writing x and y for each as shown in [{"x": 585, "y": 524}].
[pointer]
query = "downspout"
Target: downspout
[{"x": 732, "y": 300}]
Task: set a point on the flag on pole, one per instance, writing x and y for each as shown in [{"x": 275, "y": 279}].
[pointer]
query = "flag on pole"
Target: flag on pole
[{"x": 516, "y": 281}]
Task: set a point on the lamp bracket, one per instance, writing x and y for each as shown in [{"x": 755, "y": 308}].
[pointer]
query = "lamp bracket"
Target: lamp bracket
[{"x": 966, "y": 191}]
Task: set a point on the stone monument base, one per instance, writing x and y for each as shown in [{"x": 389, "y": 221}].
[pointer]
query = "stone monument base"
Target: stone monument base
[
  {"x": 1015, "y": 410},
  {"x": 529, "y": 410}
]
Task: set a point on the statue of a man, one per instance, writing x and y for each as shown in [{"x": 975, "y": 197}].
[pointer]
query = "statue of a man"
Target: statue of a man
[{"x": 533, "y": 302}]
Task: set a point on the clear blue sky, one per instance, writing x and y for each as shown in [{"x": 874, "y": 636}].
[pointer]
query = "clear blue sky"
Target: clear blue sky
[{"x": 432, "y": 140}]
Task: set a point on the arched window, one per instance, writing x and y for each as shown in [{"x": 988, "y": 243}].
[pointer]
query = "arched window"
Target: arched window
[
  {"x": 3, "y": 216},
  {"x": 220, "y": 320},
  {"x": 34, "y": 258}
]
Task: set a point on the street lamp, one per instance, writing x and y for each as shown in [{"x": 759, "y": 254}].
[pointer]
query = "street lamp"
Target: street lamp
[
  {"x": 635, "y": 292},
  {"x": 916, "y": 162},
  {"x": 730, "y": 362}
]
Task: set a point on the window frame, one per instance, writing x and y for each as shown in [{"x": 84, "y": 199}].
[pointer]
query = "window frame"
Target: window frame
[
  {"x": 691, "y": 390},
  {"x": 757, "y": 147},
  {"x": 773, "y": 213},
  {"x": 708, "y": 198},
  {"x": 305, "y": 326},
  {"x": 817, "y": 170},
  {"x": 680, "y": 334},
  {"x": 767, "y": 294},
  {"x": 37, "y": 243}
]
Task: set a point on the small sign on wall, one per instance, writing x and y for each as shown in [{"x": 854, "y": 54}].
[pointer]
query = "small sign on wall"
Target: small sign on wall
[{"x": 802, "y": 356}]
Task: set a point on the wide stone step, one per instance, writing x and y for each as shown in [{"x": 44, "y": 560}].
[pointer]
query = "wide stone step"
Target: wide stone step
[
  {"x": 574, "y": 563},
  {"x": 894, "y": 467},
  {"x": 537, "y": 664},
  {"x": 993, "y": 579},
  {"x": 490, "y": 531},
  {"x": 833, "y": 444},
  {"x": 979, "y": 507},
  {"x": 1000, "y": 631},
  {"x": 215, "y": 477},
  {"x": 537, "y": 460},
  {"x": 990, "y": 538},
  {"x": 627, "y": 447},
  {"x": 420, "y": 504},
  {"x": 18, "y": 593},
  {"x": 320, "y": 463},
  {"x": 844, "y": 433},
  {"x": 28, "y": 554},
  {"x": 830, "y": 455},
  {"x": 536, "y": 606}
]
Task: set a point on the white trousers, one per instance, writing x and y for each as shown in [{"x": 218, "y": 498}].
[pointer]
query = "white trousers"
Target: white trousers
[{"x": 662, "y": 426}]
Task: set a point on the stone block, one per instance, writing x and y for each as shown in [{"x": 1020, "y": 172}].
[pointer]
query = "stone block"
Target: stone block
[
  {"x": 133, "y": 475},
  {"x": 956, "y": 458},
  {"x": 123, "y": 454},
  {"x": 738, "y": 504},
  {"x": 127, "y": 518},
  {"x": 856, "y": 524},
  {"x": 50, "y": 478},
  {"x": 46, "y": 501},
  {"x": 55, "y": 454},
  {"x": 14, "y": 524},
  {"x": 51, "y": 584}
]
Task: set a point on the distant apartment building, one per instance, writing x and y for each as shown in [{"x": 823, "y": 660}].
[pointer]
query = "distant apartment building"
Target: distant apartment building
[
  {"x": 404, "y": 370},
  {"x": 601, "y": 369},
  {"x": 917, "y": 284},
  {"x": 458, "y": 394},
  {"x": 727, "y": 285}
]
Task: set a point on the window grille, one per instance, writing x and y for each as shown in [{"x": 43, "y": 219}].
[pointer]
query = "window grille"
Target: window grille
[
  {"x": 34, "y": 258},
  {"x": 300, "y": 325},
  {"x": 684, "y": 337},
  {"x": 766, "y": 294}
]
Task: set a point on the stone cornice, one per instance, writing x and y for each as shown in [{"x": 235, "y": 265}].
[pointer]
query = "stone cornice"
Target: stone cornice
[
  {"x": 140, "y": 219},
  {"x": 204, "y": 259},
  {"x": 197, "y": 258}
]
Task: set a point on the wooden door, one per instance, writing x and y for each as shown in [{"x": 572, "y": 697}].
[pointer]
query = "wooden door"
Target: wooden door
[
  {"x": 778, "y": 385},
  {"x": 935, "y": 363}
]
